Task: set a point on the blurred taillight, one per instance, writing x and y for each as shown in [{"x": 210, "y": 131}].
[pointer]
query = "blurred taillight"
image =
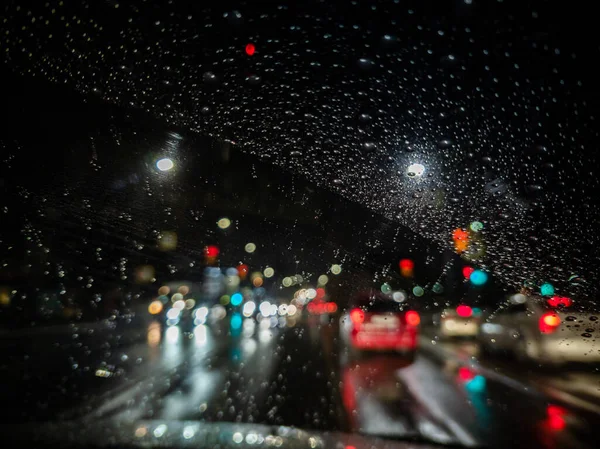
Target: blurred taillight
[
  {"x": 357, "y": 316},
  {"x": 464, "y": 311},
  {"x": 549, "y": 322},
  {"x": 412, "y": 318}
]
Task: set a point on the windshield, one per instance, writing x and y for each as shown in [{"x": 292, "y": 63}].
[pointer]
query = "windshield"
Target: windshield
[{"x": 196, "y": 196}]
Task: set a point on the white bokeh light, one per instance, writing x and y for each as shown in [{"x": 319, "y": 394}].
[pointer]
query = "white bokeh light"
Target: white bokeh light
[
  {"x": 415, "y": 170},
  {"x": 165, "y": 164}
]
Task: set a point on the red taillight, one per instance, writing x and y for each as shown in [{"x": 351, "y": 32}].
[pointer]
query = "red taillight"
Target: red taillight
[
  {"x": 549, "y": 322},
  {"x": 412, "y": 318},
  {"x": 357, "y": 316},
  {"x": 556, "y": 301},
  {"x": 464, "y": 311}
]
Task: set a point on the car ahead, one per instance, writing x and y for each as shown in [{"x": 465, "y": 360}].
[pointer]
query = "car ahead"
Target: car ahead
[
  {"x": 550, "y": 330},
  {"x": 464, "y": 321},
  {"x": 374, "y": 322}
]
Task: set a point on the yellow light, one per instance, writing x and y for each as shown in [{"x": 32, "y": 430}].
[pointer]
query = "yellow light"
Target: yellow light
[
  {"x": 167, "y": 241},
  {"x": 336, "y": 269},
  {"x": 257, "y": 281},
  {"x": 224, "y": 223},
  {"x": 250, "y": 247},
  {"x": 155, "y": 307},
  {"x": 269, "y": 272}
]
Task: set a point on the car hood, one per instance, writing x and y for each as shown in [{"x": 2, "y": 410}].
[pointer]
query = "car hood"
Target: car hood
[{"x": 196, "y": 434}]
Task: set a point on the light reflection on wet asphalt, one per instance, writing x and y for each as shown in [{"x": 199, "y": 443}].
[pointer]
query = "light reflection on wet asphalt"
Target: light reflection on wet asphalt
[{"x": 292, "y": 376}]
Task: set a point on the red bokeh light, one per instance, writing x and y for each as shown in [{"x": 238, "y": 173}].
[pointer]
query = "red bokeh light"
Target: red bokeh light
[
  {"x": 320, "y": 293},
  {"x": 465, "y": 374},
  {"x": 211, "y": 251},
  {"x": 556, "y": 422},
  {"x": 406, "y": 264},
  {"x": 464, "y": 311},
  {"x": 250, "y": 49},
  {"x": 549, "y": 322},
  {"x": 556, "y": 417},
  {"x": 467, "y": 271},
  {"x": 460, "y": 234},
  {"x": 412, "y": 318},
  {"x": 242, "y": 270},
  {"x": 556, "y": 301},
  {"x": 357, "y": 316}
]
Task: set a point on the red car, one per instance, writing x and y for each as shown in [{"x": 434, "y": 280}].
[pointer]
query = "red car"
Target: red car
[{"x": 375, "y": 322}]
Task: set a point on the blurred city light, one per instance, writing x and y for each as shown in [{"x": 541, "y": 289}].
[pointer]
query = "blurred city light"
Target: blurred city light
[
  {"x": 336, "y": 269},
  {"x": 399, "y": 296},
  {"x": 242, "y": 270},
  {"x": 248, "y": 309},
  {"x": 250, "y": 247},
  {"x": 173, "y": 313},
  {"x": 476, "y": 226},
  {"x": 172, "y": 335},
  {"x": 250, "y": 49},
  {"x": 418, "y": 291},
  {"x": 265, "y": 308},
  {"x": 165, "y": 164},
  {"x": 478, "y": 277},
  {"x": 167, "y": 241},
  {"x": 467, "y": 272},
  {"x": 224, "y": 223},
  {"x": 155, "y": 307},
  {"x": 547, "y": 289},
  {"x": 269, "y": 272},
  {"x": 415, "y": 170},
  {"x": 236, "y": 299},
  {"x": 236, "y": 321},
  {"x": 323, "y": 280}
]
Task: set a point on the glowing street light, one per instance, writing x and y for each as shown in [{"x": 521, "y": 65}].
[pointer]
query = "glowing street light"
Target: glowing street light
[
  {"x": 415, "y": 170},
  {"x": 165, "y": 164}
]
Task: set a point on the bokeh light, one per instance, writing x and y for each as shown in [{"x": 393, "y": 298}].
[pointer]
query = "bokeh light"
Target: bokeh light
[
  {"x": 415, "y": 170},
  {"x": 476, "y": 226},
  {"x": 155, "y": 307},
  {"x": 323, "y": 280},
  {"x": 250, "y": 49},
  {"x": 478, "y": 277},
  {"x": 224, "y": 223},
  {"x": 418, "y": 291},
  {"x": 547, "y": 289},
  {"x": 336, "y": 269},
  {"x": 399, "y": 296},
  {"x": 165, "y": 164},
  {"x": 467, "y": 272},
  {"x": 236, "y": 299},
  {"x": 250, "y": 247},
  {"x": 287, "y": 281},
  {"x": 167, "y": 241},
  {"x": 269, "y": 272}
]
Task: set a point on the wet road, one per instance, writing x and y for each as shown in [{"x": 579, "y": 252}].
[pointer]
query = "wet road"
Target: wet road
[{"x": 136, "y": 369}]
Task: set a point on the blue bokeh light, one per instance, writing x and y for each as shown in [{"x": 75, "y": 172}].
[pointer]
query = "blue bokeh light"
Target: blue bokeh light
[
  {"x": 236, "y": 299},
  {"x": 547, "y": 289},
  {"x": 478, "y": 277},
  {"x": 236, "y": 321}
]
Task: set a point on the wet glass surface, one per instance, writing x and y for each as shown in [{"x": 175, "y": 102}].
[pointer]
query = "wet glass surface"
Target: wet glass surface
[{"x": 195, "y": 198}]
